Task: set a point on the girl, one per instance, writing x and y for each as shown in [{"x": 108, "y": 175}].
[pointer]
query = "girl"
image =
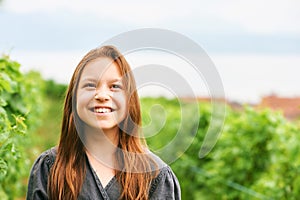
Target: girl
[{"x": 101, "y": 154}]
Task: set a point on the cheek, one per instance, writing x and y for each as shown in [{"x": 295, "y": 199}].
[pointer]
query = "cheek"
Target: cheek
[
  {"x": 83, "y": 98},
  {"x": 122, "y": 101}
]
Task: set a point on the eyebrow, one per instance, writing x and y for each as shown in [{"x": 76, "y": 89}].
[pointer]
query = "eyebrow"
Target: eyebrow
[
  {"x": 116, "y": 80},
  {"x": 89, "y": 79},
  {"x": 94, "y": 80}
]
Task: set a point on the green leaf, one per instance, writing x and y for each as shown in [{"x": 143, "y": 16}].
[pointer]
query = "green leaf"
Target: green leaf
[
  {"x": 2, "y": 65},
  {"x": 3, "y": 168},
  {"x": 5, "y": 82},
  {"x": 2, "y": 112},
  {"x": 20, "y": 127},
  {"x": 2, "y": 102}
]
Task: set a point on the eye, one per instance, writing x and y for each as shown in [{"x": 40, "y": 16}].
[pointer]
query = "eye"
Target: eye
[
  {"x": 89, "y": 85},
  {"x": 116, "y": 86}
]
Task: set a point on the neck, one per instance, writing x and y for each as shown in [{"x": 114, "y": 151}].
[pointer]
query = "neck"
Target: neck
[{"x": 102, "y": 144}]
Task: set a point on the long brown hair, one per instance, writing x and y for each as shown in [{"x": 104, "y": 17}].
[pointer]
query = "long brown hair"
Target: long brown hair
[{"x": 134, "y": 166}]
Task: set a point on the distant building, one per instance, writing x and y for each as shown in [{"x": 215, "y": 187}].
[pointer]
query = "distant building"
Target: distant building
[{"x": 290, "y": 107}]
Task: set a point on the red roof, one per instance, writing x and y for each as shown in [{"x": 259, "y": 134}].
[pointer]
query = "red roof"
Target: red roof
[{"x": 290, "y": 107}]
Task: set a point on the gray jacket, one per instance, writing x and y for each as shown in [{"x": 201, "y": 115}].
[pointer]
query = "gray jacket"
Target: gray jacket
[{"x": 164, "y": 186}]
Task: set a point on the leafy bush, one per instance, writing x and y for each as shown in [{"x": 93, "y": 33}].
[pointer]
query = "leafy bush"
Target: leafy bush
[
  {"x": 55, "y": 90},
  {"x": 20, "y": 105},
  {"x": 256, "y": 156}
]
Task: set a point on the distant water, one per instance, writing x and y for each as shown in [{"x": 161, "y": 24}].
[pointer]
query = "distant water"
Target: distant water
[{"x": 246, "y": 78}]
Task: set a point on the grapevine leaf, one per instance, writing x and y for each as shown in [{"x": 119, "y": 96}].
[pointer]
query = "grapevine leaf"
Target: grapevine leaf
[
  {"x": 3, "y": 168},
  {"x": 5, "y": 82},
  {"x": 2, "y": 102}
]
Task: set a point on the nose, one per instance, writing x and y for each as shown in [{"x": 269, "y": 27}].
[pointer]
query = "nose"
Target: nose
[{"x": 102, "y": 95}]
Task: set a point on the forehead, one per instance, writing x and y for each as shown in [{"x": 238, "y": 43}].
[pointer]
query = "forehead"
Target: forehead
[{"x": 101, "y": 68}]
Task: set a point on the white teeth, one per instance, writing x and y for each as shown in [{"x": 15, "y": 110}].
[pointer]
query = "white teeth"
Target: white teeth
[{"x": 102, "y": 110}]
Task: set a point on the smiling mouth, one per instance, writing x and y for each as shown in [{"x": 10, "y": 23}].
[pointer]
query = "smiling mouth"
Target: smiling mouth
[{"x": 103, "y": 110}]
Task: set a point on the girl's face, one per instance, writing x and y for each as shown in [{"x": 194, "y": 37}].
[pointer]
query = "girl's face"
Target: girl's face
[{"x": 101, "y": 99}]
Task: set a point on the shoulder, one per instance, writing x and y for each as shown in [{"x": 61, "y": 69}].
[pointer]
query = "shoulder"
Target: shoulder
[
  {"x": 47, "y": 157},
  {"x": 38, "y": 179},
  {"x": 165, "y": 185},
  {"x": 45, "y": 160}
]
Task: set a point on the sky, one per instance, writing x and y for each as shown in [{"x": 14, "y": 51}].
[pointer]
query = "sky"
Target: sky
[{"x": 254, "y": 45}]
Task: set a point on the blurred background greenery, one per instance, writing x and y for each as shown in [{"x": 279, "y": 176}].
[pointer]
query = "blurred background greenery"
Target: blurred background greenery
[{"x": 256, "y": 157}]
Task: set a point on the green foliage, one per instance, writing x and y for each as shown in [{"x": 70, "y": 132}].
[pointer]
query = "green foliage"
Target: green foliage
[
  {"x": 20, "y": 105},
  {"x": 47, "y": 133},
  {"x": 169, "y": 126},
  {"x": 30, "y": 116},
  {"x": 256, "y": 156},
  {"x": 55, "y": 90}
]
